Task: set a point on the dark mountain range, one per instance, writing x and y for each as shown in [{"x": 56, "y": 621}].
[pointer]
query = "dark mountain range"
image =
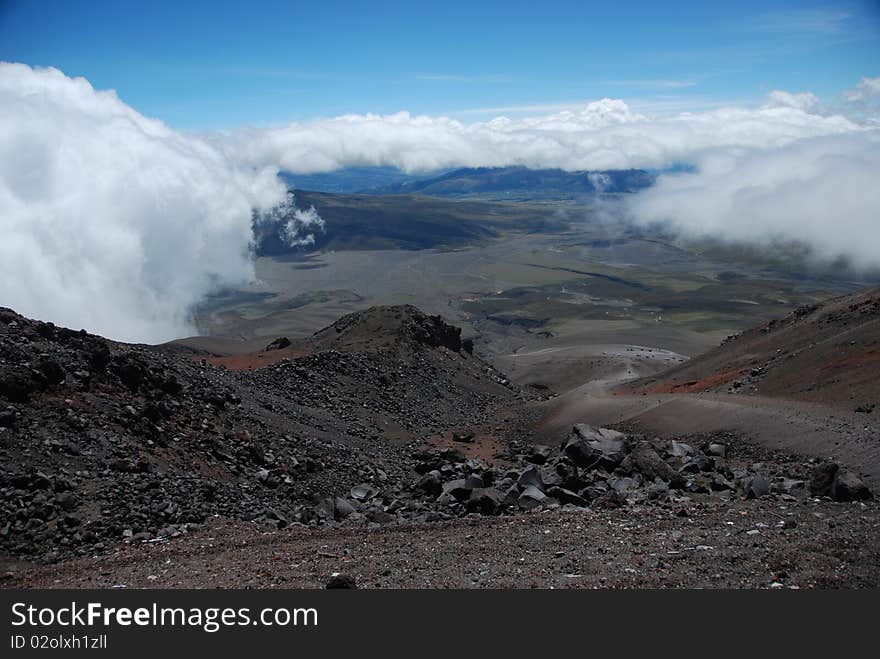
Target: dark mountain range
[
  {"x": 352, "y": 179},
  {"x": 523, "y": 183},
  {"x": 491, "y": 183}
]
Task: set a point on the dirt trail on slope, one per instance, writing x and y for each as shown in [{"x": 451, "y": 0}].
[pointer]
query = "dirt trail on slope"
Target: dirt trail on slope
[{"x": 794, "y": 426}]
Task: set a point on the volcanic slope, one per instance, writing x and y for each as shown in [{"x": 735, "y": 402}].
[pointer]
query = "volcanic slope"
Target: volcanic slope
[
  {"x": 827, "y": 353},
  {"x": 383, "y": 449},
  {"x": 808, "y": 383},
  {"x": 102, "y": 440}
]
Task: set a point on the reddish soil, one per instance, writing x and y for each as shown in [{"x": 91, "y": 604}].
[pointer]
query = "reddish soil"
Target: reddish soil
[
  {"x": 255, "y": 360},
  {"x": 828, "y": 354},
  {"x": 484, "y": 446},
  {"x": 703, "y": 384}
]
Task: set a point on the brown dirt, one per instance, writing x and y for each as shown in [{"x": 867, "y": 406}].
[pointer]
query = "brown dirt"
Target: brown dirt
[
  {"x": 708, "y": 543},
  {"x": 255, "y": 360},
  {"x": 828, "y": 354},
  {"x": 694, "y": 386}
]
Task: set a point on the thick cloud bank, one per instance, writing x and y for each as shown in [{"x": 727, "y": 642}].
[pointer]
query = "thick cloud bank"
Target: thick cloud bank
[
  {"x": 605, "y": 134},
  {"x": 824, "y": 191},
  {"x": 788, "y": 169},
  {"x": 112, "y": 221}
]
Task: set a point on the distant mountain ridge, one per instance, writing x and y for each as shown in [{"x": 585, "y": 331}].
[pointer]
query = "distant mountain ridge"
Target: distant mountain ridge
[
  {"x": 351, "y": 180},
  {"x": 507, "y": 183},
  {"x": 521, "y": 181}
]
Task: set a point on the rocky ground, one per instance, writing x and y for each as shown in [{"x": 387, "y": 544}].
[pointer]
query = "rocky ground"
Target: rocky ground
[
  {"x": 827, "y": 353},
  {"x": 388, "y": 452},
  {"x": 101, "y": 442}
]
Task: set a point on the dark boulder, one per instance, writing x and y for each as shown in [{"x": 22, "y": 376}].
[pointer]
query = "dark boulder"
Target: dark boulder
[
  {"x": 567, "y": 496},
  {"x": 590, "y": 447},
  {"x": 531, "y": 477},
  {"x": 51, "y": 370},
  {"x": 756, "y": 486},
  {"x": 532, "y": 497},
  {"x": 458, "y": 489},
  {"x": 341, "y": 582},
  {"x": 849, "y": 487},
  {"x": 485, "y": 500},
  {"x": 822, "y": 479},
  {"x": 539, "y": 454},
  {"x": 430, "y": 483},
  {"x": 644, "y": 460}
]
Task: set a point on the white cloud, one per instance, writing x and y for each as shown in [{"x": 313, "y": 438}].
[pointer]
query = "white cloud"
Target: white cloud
[
  {"x": 822, "y": 191},
  {"x": 805, "y": 101},
  {"x": 604, "y": 134},
  {"x": 113, "y": 222},
  {"x": 868, "y": 89},
  {"x": 788, "y": 168},
  {"x": 110, "y": 220},
  {"x": 297, "y": 226}
]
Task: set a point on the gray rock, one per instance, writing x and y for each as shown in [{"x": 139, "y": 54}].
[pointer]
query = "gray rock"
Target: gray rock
[
  {"x": 531, "y": 497},
  {"x": 343, "y": 508},
  {"x": 325, "y": 509},
  {"x": 622, "y": 484},
  {"x": 452, "y": 455},
  {"x": 485, "y": 500},
  {"x": 696, "y": 464},
  {"x": 757, "y": 486},
  {"x": 822, "y": 479},
  {"x": 567, "y": 496},
  {"x": 7, "y": 418},
  {"x": 539, "y": 454},
  {"x": 849, "y": 487},
  {"x": 458, "y": 489},
  {"x": 530, "y": 477},
  {"x": 473, "y": 481},
  {"x": 511, "y": 495},
  {"x": 550, "y": 476},
  {"x": 591, "y": 447},
  {"x": 363, "y": 492},
  {"x": 644, "y": 460},
  {"x": 793, "y": 487},
  {"x": 380, "y": 517},
  {"x": 717, "y": 450},
  {"x": 430, "y": 483}
]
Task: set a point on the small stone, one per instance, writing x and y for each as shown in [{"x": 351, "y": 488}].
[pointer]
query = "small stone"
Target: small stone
[{"x": 340, "y": 582}]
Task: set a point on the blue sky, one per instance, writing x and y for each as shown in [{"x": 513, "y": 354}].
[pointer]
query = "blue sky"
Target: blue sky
[{"x": 208, "y": 65}]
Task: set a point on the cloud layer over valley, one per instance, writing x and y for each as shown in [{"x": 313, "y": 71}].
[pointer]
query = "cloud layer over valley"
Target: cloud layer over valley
[
  {"x": 111, "y": 221},
  {"x": 114, "y": 222}
]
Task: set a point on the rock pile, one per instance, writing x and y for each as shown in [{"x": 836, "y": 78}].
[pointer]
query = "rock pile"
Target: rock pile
[{"x": 595, "y": 468}]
